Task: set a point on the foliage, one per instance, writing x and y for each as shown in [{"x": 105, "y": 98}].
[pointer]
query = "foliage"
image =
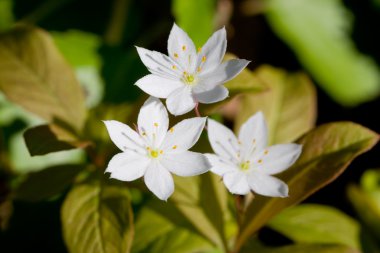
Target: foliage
[{"x": 56, "y": 80}]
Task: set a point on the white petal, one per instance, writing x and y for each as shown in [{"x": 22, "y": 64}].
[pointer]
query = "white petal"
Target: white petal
[
  {"x": 124, "y": 137},
  {"x": 217, "y": 94},
  {"x": 223, "y": 73},
  {"x": 267, "y": 185},
  {"x": 157, "y": 86},
  {"x": 159, "y": 64},
  {"x": 183, "y": 135},
  {"x": 220, "y": 165},
  {"x": 153, "y": 121},
  {"x": 236, "y": 182},
  {"x": 253, "y": 135},
  {"x": 182, "y": 49},
  {"x": 214, "y": 50},
  {"x": 159, "y": 181},
  {"x": 180, "y": 101},
  {"x": 186, "y": 164},
  {"x": 223, "y": 141},
  {"x": 277, "y": 158},
  {"x": 128, "y": 166}
]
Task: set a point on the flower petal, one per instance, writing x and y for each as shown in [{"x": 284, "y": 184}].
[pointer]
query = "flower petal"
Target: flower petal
[
  {"x": 253, "y": 135},
  {"x": 277, "y": 158},
  {"x": 159, "y": 64},
  {"x": 182, "y": 49},
  {"x": 183, "y": 135},
  {"x": 157, "y": 86},
  {"x": 159, "y": 181},
  {"x": 128, "y": 166},
  {"x": 219, "y": 165},
  {"x": 180, "y": 101},
  {"x": 267, "y": 185},
  {"x": 236, "y": 182},
  {"x": 223, "y": 73},
  {"x": 186, "y": 163},
  {"x": 217, "y": 94},
  {"x": 153, "y": 121},
  {"x": 124, "y": 137},
  {"x": 213, "y": 51},
  {"x": 223, "y": 141}
]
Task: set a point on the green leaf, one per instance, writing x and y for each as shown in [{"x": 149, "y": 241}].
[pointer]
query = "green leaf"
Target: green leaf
[
  {"x": 246, "y": 81},
  {"x": 203, "y": 201},
  {"x": 311, "y": 223},
  {"x": 317, "y": 31},
  {"x": 97, "y": 218},
  {"x": 22, "y": 162},
  {"x": 196, "y": 17},
  {"x": 327, "y": 151},
  {"x": 6, "y": 14},
  {"x": 161, "y": 228},
  {"x": 289, "y": 104},
  {"x": 367, "y": 208},
  {"x": 30, "y": 64},
  {"x": 301, "y": 248},
  {"x": 47, "y": 183},
  {"x": 46, "y": 139}
]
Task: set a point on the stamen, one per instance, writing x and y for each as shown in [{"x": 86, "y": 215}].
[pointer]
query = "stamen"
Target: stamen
[
  {"x": 266, "y": 152},
  {"x": 161, "y": 152},
  {"x": 174, "y": 67},
  {"x": 199, "y": 49},
  {"x": 203, "y": 58},
  {"x": 260, "y": 161},
  {"x": 175, "y": 55},
  {"x": 174, "y": 147},
  {"x": 155, "y": 124},
  {"x": 183, "y": 48},
  {"x": 171, "y": 129},
  {"x": 199, "y": 69}
]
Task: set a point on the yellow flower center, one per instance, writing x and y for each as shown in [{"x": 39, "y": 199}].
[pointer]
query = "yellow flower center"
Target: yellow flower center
[
  {"x": 189, "y": 78},
  {"x": 245, "y": 166},
  {"x": 154, "y": 153}
]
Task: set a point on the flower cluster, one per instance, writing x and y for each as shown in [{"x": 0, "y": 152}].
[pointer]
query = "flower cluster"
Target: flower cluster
[{"x": 187, "y": 77}]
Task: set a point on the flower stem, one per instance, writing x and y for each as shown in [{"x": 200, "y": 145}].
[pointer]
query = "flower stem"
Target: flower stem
[{"x": 196, "y": 109}]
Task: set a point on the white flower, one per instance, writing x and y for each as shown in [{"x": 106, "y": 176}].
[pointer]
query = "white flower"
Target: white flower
[
  {"x": 188, "y": 75},
  {"x": 154, "y": 151},
  {"x": 247, "y": 163}
]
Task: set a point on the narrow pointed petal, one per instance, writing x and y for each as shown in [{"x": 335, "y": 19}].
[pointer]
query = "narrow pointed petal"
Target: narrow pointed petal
[
  {"x": 253, "y": 135},
  {"x": 157, "y": 86},
  {"x": 153, "y": 120},
  {"x": 223, "y": 73},
  {"x": 217, "y": 94},
  {"x": 180, "y": 101},
  {"x": 213, "y": 51},
  {"x": 183, "y": 135},
  {"x": 186, "y": 163},
  {"x": 159, "y": 64},
  {"x": 128, "y": 166},
  {"x": 267, "y": 185},
  {"x": 159, "y": 181},
  {"x": 236, "y": 182},
  {"x": 124, "y": 137},
  {"x": 219, "y": 165},
  {"x": 277, "y": 158},
  {"x": 223, "y": 141},
  {"x": 182, "y": 49}
]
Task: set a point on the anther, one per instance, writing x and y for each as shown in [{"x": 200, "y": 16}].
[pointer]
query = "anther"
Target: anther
[
  {"x": 175, "y": 55},
  {"x": 174, "y": 147},
  {"x": 183, "y": 47},
  {"x": 203, "y": 58}
]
